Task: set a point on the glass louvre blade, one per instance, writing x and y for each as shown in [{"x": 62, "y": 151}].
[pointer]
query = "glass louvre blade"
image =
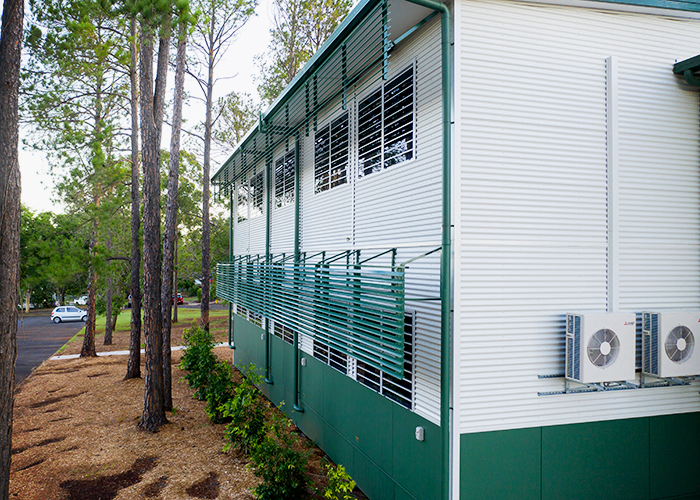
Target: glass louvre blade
[
  {"x": 243, "y": 201},
  {"x": 321, "y": 157},
  {"x": 279, "y": 182},
  {"x": 369, "y": 133},
  {"x": 289, "y": 170}
]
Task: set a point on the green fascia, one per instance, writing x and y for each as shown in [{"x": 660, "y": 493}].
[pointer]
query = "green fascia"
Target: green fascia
[
  {"x": 689, "y": 5},
  {"x": 688, "y": 68}
]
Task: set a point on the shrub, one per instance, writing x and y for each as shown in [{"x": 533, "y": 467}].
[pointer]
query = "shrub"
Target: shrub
[
  {"x": 340, "y": 484},
  {"x": 246, "y": 410},
  {"x": 199, "y": 294},
  {"x": 218, "y": 391},
  {"x": 281, "y": 468},
  {"x": 198, "y": 360}
]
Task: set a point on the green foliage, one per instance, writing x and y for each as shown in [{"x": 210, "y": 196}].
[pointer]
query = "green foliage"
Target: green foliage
[
  {"x": 246, "y": 410},
  {"x": 198, "y": 360},
  {"x": 301, "y": 27},
  {"x": 340, "y": 484},
  {"x": 281, "y": 467},
  {"x": 218, "y": 392},
  {"x": 53, "y": 256},
  {"x": 199, "y": 294},
  {"x": 237, "y": 114}
]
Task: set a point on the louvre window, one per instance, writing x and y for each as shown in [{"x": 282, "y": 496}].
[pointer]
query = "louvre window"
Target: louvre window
[
  {"x": 255, "y": 318},
  {"x": 247, "y": 314},
  {"x": 385, "y": 125},
  {"x": 255, "y": 190},
  {"x": 400, "y": 391},
  {"x": 283, "y": 332},
  {"x": 242, "y": 311},
  {"x": 243, "y": 201},
  {"x": 330, "y": 356},
  {"x": 284, "y": 180},
  {"x": 331, "y": 154}
]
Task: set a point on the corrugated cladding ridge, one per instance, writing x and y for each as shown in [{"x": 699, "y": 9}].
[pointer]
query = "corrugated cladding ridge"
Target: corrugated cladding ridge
[{"x": 534, "y": 185}]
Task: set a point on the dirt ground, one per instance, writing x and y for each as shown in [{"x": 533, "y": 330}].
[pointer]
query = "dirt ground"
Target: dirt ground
[{"x": 75, "y": 435}]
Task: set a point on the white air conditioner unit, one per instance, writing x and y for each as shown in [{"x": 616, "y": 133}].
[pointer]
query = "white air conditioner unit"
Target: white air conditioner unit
[
  {"x": 668, "y": 343},
  {"x": 600, "y": 347}
]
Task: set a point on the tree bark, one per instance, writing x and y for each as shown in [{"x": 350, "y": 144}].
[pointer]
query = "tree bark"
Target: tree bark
[
  {"x": 88, "y": 349},
  {"x": 133, "y": 369},
  {"x": 204, "y": 305},
  {"x": 175, "y": 306},
  {"x": 171, "y": 215},
  {"x": 108, "y": 313},
  {"x": 10, "y": 54},
  {"x": 151, "y": 122}
]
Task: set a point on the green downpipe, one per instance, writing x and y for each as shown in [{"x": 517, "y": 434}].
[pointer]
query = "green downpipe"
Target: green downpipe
[
  {"x": 231, "y": 344},
  {"x": 297, "y": 249},
  {"x": 268, "y": 217},
  {"x": 446, "y": 254}
]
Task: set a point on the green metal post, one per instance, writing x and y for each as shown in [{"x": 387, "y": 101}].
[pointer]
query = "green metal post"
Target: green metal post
[
  {"x": 446, "y": 254},
  {"x": 231, "y": 343},
  {"x": 268, "y": 217},
  {"x": 297, "y": 205}
]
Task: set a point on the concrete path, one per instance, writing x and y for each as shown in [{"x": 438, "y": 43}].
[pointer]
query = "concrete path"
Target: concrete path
[
  {"x": 122, "y": 353},
  {"x": 38, "y": 338}
]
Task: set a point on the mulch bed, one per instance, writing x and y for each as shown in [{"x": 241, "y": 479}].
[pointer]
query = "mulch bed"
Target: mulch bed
[{"x": 75, "y": 435}]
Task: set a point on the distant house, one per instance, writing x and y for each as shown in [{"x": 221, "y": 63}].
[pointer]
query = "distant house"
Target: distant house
[{"x": 418, "y": 212}]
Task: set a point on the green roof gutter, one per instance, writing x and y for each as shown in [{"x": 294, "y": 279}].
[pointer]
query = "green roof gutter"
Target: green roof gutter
[
  {"x": 446, "y": 253},
  {"x": 688, "y": 68}
]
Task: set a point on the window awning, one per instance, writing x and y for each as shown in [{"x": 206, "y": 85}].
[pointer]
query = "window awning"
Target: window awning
[{"x": 688, "y": 69}]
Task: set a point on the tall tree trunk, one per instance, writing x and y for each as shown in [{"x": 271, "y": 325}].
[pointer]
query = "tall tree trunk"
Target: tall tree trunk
[
  {"x": 27, "y": 298},
  {"x": 133, "y": 369},
  {"x": 205, "y": 180},
  {"x": 171, "y": 215},
  {"x": 175, "y": 306},
  {"x": 108, "y": 301},
  {"x": 108, "y": 313},
  {"x": 151, "y": 122},
  {"x": 10, "y": 54},
  {"x": 88, "y": 349}
]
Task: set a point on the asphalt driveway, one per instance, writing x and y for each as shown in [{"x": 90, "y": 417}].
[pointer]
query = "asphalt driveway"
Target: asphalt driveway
[{"x": 38, "y": 339}]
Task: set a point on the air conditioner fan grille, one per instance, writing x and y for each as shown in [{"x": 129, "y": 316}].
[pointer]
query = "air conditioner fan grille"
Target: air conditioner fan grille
[
  {"x": 603, "y": 348},
  {"x": 679, "y": 344}
]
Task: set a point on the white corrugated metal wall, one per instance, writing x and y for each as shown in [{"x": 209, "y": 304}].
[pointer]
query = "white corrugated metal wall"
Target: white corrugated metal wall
[{"x": 535, "y": 157}]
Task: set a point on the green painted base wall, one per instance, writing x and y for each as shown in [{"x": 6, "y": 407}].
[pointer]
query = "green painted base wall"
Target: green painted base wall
[
  {"x": 370, "y": 435},
  {"x": 649, "y": 458}
]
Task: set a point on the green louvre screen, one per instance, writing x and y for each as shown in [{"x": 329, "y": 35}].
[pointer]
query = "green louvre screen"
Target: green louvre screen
[{"x": 357, "y": 309}]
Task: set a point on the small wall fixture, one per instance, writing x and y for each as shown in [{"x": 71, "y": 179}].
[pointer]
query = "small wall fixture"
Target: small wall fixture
[
  {"x": 303, "y": 361},
  {"x": 420, "y": 433}
]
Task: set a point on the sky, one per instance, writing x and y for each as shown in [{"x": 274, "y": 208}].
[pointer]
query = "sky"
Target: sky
[{"x": 237, "y": 69}]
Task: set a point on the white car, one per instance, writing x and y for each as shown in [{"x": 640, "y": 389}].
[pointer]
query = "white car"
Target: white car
[
  {"x": 81, "y": 301},
  {"x": 68, "y": 313}
]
